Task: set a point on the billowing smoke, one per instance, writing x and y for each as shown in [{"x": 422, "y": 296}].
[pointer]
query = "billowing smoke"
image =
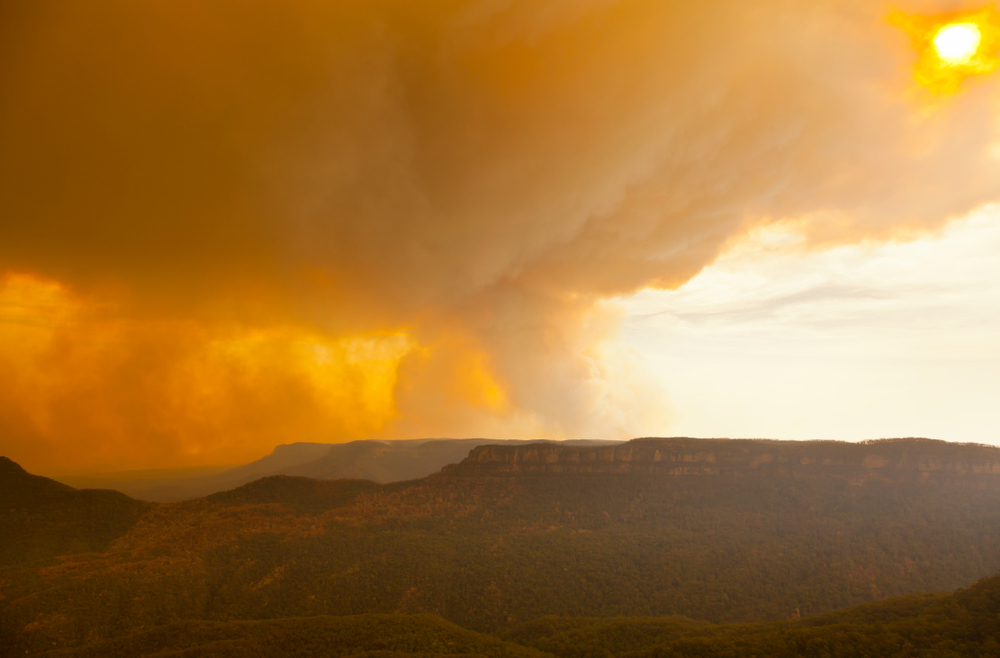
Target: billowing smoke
[{"x": 231, "y": 197}]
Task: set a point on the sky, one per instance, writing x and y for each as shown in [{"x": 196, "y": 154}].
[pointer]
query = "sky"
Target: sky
[
  {"x": 229, "y": 225},
  {"x": 860, "y": 341}
]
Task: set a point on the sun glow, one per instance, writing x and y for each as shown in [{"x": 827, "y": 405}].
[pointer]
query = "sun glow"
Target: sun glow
[
  {"x": 957, "y": 43},
  {"x": 952, "y": 47}
]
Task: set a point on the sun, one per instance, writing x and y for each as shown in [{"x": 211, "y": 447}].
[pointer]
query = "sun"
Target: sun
[
  {"x": 952, "y": 47},
  {"x": 957, "y": 43}
]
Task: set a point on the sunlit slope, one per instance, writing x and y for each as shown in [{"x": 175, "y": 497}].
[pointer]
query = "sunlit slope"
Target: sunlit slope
[
  {"x": 724, "y": 531},
  {"x": 40, "y": 518}
]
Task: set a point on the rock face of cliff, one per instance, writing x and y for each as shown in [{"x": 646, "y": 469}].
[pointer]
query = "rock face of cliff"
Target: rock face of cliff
[{"x": 885, "y": 459}]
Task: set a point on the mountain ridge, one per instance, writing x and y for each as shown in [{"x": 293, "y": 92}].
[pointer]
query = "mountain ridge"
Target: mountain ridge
[
  {"x": 490, "y": 549},
  {"x": 378, "y": 461},
  {"x": 41, "y": 518},
  {"x": 923, "y": 459}
]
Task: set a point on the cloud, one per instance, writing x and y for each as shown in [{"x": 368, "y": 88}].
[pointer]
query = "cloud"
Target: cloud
[
  {"x": 477, "y": 176},
  {"x": 855, "y": 342}
]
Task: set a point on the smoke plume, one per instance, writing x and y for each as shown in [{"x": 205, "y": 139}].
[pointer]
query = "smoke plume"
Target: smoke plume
[{"x": 232, "y": 224}]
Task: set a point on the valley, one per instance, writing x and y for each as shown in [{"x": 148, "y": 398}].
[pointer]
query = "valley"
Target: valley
[{"x": 697, "y": 531}]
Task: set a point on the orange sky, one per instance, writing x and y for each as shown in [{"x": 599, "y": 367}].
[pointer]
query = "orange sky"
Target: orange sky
[{"x": 230, "y": 225}]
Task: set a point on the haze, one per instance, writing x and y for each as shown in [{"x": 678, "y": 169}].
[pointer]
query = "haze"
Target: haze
[{"x": 225, "y": 226}]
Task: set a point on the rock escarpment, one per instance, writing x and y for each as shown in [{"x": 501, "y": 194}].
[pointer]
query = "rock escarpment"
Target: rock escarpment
[{"x": 885, "y": 459}]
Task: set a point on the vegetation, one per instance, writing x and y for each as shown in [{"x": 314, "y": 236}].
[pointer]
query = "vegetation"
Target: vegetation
[
  {"x": 492, "y": 551},
  {"x": 41, "y": 518},
  {"x": 923, "y": 625},
  {"x": 374, "y": 636},
  {"x": 966, "y": 624}
]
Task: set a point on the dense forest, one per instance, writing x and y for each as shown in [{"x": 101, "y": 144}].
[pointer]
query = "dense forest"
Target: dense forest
[
  {"x": 558, "y": 549},
  {"x": 963, "y": 625},
  {"x": 966, "y": 623}
]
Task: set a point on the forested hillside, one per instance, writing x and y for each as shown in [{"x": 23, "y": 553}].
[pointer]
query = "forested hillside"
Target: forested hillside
[
  {"x": 966, "y": 623},
  {"x": 41, "y": 518},
  {"x": 721, "y": 531},
  {"x": 962, "y": 625},
  {"x": 358, "y": 636}
]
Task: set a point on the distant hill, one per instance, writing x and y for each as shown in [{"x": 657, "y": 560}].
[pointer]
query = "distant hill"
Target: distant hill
[
  {"x": 378, "y": 461},
  {"x": 714, "y": 530},
  {"x": 41, "y": 518},
  {"x": 903, "y": 460}
]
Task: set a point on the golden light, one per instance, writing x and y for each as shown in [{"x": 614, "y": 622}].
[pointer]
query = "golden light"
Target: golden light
[
  {"x": 957, "y": 43},
  {"x": 74, "y": 368},
  {"x": 952, "y": 47},
  {"x": 80, "y": 379}
]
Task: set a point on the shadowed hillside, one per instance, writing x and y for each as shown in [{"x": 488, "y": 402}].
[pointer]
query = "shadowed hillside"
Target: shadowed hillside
[{"x": 41, "y": 518}]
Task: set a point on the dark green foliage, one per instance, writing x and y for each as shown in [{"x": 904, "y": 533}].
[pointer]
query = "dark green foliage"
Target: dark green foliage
[
  {"x": 963, "y": 625},
  {"x": 589, "y": 637},
  {"x": 966, "y": 624},
  {"x": 381, "y": 636}
]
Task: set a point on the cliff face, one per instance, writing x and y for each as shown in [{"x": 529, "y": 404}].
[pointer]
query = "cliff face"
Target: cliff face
[{"x": 889, "y": 459}]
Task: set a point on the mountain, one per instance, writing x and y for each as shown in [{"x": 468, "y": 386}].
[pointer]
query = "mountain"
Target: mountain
[
  {"x": 41, "y": 518},
  {"x": 385, "y": 461},
  {"x": 902, "y": 460},
  {"x": 378, "y": 461},
  {"x": 721, "y": 531},
  {"x": 22, "y": 489}
]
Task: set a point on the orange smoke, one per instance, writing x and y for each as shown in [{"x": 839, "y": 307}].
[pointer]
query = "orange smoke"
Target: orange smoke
[
  {"x": 85, "y": 387},
  {"x": 952, "y": 46}
]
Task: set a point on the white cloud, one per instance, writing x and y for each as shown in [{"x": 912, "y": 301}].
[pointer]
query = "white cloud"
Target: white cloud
[{"x": 856, "y": 342}]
